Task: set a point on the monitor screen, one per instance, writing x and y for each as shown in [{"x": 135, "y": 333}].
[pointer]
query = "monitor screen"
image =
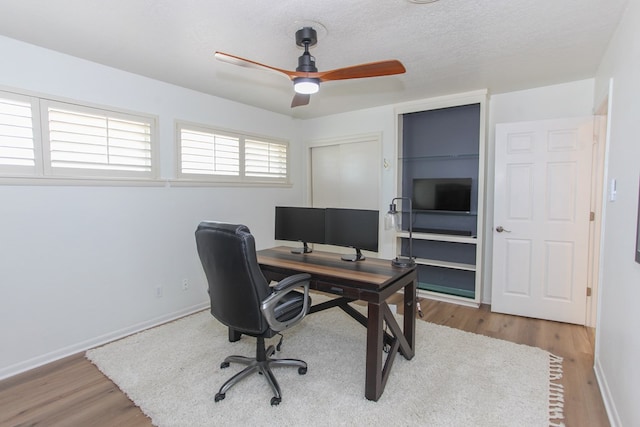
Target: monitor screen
[
  {"x": 442, "y": 194},
  {"x": 298, "y": 224},
  {"x": 354, "y": 228}
]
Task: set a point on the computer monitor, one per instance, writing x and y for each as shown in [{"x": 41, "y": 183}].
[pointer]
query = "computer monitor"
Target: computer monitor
[
  {"x": 353, "y": 228},
  {"x": 299, "y": 224}
]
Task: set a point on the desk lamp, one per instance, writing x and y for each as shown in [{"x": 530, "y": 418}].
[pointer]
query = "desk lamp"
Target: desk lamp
[{"x": 392, "y": 220}]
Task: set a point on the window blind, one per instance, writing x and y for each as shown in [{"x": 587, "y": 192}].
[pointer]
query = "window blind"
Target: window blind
[
  {"x": 16, "y": 133},
  {"x": 209, "y": 154},
  {"x": 82, "y": 140},
  {"x": 265, "y": 159}
]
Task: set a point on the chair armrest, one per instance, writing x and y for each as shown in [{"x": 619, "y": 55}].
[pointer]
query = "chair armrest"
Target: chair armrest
[
  {"x": 280, "y": 290},
  {"x": 291, "y": 282}
]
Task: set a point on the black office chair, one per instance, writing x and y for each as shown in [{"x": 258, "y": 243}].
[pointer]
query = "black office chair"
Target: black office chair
[{"x": 242, "y": 299}]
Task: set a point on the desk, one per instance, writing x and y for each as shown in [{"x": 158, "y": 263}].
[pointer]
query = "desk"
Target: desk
[{"x": 373, "y": 281}]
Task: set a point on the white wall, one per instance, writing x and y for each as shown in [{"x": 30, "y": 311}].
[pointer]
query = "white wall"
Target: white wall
[
  {"x": 617, "y": 338},
  {"x": 79, "y": 265}
]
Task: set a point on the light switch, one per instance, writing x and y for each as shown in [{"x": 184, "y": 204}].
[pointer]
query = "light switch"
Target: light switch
[{"x": 613, "y": 190}]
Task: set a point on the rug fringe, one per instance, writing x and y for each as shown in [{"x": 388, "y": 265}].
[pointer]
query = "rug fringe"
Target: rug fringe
[{"x": 556, "y": 392}]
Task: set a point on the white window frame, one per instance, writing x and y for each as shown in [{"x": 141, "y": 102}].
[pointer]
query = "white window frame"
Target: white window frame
[
  {"x": 242, "y": 177},
  {"x": 43, "y": 169}
]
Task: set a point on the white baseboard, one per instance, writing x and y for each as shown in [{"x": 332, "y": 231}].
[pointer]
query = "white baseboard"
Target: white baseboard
[
  {"x": 609, "y": 404},
  {"x": 97, "y": 341}
]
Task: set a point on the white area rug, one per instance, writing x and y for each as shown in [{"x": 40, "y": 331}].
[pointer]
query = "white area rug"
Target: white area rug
[{"x": 456, "y": 378}]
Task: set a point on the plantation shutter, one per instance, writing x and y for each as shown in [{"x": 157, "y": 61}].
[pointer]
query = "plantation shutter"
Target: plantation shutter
[
  {"x": 213, "y": 155},
  {"x": 17, "y": 147},
  {"x": 205, "y": 153},
  {"x": 265, "y": 159},
  {"x": 93, "y": 141}
]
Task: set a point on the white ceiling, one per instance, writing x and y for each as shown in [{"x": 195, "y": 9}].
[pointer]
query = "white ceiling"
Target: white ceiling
[{"x": 447, "y": 47}]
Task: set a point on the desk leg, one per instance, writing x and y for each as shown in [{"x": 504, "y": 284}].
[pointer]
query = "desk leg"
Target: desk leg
[
  {"x": 373, "y": 381},
  {"x": 376, "y": 372},
  {"x": 409, "y": 317}
]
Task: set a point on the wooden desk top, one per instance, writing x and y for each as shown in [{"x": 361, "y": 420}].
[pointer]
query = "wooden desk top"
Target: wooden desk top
[{"x": 372, "y": 273}]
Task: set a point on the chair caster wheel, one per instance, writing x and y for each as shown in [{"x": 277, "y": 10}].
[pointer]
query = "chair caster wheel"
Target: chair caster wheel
[
  {"x": 224, "y": 365},
  {"x": 275, "y": 401},
  {"x": 302, "y": 371},
  {"x": 219, "y": 397}
]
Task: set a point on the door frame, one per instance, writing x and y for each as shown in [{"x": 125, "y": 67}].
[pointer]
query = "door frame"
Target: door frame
[{"x": 602, "y": 117}]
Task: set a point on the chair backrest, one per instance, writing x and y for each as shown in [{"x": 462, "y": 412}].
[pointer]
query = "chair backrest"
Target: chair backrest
[{"x": 236, "y": 285}]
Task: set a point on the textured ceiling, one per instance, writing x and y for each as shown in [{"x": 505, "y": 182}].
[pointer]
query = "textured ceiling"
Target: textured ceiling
[{"x": 447, "y": 47}]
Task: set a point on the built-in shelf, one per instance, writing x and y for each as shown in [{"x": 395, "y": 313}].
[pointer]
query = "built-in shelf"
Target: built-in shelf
[
  {"x": 440, "y": 158},
  {"x": 446, "y": 290},
  {"x": 438, "y": 237},
  {"x": 444, "y": 139},
  {"x": 446, "y": 264},
  {"x": 433, "y": 212}
]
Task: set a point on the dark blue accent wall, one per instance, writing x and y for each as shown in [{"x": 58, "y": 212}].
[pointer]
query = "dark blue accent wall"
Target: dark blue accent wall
[{"x": 442, "y": 143}]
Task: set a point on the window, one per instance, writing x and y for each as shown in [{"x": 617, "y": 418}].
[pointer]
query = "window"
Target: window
[
  {"x": 45, "y": 138},
  {"x": 96, "y": 142},
  {"x": 214, "y": 155}
]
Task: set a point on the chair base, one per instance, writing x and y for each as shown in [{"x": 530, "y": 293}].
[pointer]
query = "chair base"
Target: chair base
[{"x": 263, "y": 367}]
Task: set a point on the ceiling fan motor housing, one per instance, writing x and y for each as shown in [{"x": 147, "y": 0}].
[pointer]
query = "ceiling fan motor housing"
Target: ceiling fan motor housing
[
  {"x": 306, "y": 37},
  {"x": 307, "y": 63}
]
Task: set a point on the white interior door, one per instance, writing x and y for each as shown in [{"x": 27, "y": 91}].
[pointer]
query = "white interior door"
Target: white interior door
[{"x": 541, "y": 219}]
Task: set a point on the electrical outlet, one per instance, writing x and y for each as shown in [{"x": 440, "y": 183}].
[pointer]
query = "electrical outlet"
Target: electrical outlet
[
  {"x": 159, "y": 292},
  {"x": 185, "y": 284}
]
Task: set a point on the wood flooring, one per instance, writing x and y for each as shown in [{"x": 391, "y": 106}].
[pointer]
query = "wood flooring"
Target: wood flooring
[{"x": 73, "y": 392}]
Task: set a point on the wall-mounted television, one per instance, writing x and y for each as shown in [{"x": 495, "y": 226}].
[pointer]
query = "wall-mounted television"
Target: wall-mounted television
[{"x": 442, "y": 194}]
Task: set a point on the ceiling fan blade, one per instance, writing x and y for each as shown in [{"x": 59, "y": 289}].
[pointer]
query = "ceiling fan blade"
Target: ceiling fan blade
[
  {"x": 371, "y": 69},
  {"x": 300, "y": 99},
  {"x": 236, "y": 60}
]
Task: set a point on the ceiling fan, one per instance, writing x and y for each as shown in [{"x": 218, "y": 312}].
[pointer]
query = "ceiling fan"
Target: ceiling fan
[{"x": 306, "y": 77}]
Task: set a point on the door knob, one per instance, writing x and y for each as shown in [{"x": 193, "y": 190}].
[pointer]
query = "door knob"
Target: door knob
[{"x": 500, "y": 229}]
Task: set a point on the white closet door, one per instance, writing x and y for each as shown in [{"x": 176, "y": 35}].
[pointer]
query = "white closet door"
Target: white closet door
[{"x": 346, "y": 175}]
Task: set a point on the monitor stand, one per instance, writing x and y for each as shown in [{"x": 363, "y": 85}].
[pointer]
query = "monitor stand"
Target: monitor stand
[
  {"x": 305, "y": 249},
  {"x": 357, "y": 257}
]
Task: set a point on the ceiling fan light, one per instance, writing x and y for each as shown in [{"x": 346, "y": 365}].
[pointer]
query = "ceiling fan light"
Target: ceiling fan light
[{"x": 306, "y": 85}]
